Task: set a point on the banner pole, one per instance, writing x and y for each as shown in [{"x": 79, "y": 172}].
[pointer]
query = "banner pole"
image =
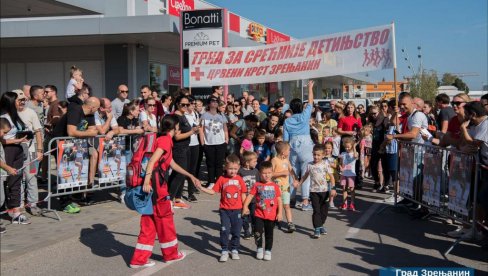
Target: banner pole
[{"x": 394, "y": 62}]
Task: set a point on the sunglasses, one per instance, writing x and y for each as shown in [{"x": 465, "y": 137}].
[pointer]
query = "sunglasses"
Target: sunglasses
[
  {"x": 151, "y": 105},
  {"x": 184, "y": 104},
  {"x": 124, "y": 91},
  {"x": 237, "y": 105},
  {"x": 456, "y": 103}
]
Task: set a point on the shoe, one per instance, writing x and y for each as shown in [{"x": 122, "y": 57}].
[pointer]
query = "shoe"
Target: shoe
[
  {"x": 384, "y": 189},
  {"x": 267, "y": 255},
  {"x": 3, "y": 230},
  {"x": 332, "y": 205},
  {"x": 122, "y": 198},
  {"x": 323, "y": 230},
  {"x": 259, "y": 254},
  {"x": 298, "y": 205},
  {"x": 316, "y": 233},
  {"x": 291, "y": 227},
  {"x": 403, "y": 201},
  {"x": 376, "y": 187},
  {"x": 247, "y": 236},
  {"x": 21, "y": 219},
  {"x": 181, "y": 256},
  {"x": 458, "y": 232},
  {"x": 71, "y": 209},
  {"x": 351, "y": 207},
  {"x": 34, "y": 210},
  {"x": 224, "y": 257},
  {"x": 148, "y": 264},
  {"x": 472, "y": 234},
  {"x": 192, "y": 198},
  {"x": 307, "y": 207},
  {"x": 343, "y": 206},
  {"x": 234, "y": 255},
  {"x": 391, "y": 199},
  {"x": 210, "y": 186},
  {"x": 181, "y": 205}
]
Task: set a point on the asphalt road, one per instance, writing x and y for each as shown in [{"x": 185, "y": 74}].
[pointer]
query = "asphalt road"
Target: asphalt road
[{"x": 358, "y": 243}]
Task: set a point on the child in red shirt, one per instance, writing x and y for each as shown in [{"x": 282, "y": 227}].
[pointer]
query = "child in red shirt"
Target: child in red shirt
[
  {"x": 268, "y": 210},
  {"x": 233, "y": 192}
]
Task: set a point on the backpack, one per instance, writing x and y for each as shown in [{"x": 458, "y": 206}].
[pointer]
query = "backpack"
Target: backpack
[{"x": 136, "y": 170}]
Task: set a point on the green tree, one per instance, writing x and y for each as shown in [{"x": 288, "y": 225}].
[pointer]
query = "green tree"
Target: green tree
[
  {"x": 424, "y": 85},
  {"x": 448, "y": 79},
  {"x": 459, "y": 83}
]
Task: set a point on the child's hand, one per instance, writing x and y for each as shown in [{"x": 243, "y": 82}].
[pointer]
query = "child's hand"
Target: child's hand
[
  {"x": 279, "y": 217},
  {"x": 296, "y": 183},
  {"x": 245, "y": 211},
  {"x": 11, "y": 171}
]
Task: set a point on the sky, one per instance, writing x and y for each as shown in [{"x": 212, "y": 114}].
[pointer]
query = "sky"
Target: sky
[{"x": 452, "y": 34}]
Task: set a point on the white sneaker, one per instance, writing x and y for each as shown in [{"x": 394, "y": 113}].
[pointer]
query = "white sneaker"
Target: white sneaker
[
  {"x": 224, "y": 257},
  {"x": 391, "y": 199},
  {"x": 458, "y": 232},
  {"x": 332, "y": 205},
  {"x": 267, "y": 255},
  {"x": 259, "y": 254},
  {"x": 235, "y": 255},
  {"x": 148, "y": 264},
  {"x": 472, "y": 234}
]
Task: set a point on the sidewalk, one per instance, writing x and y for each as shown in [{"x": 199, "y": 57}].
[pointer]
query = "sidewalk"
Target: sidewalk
[{"x": 47, "y": 230}]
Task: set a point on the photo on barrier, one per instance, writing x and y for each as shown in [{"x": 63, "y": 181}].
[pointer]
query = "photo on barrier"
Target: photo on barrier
[
  {"x": 460, "y": 183},
  {"x": 406, "y": 170},
  {"x": 111, "y": 160},
  {"x": 72, "y": 163},
  {"x": 432, "y": 178}
]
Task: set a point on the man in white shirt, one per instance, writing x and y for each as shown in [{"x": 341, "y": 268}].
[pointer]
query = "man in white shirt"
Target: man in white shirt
[
  {"x": 119, "y": 102},
  {"x": 105, "y": 121},
  {"x": 415, "y": 122}
]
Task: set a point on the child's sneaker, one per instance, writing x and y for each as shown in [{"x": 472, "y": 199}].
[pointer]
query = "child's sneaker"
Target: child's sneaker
[
  {"x": 352, "y": 207},
  {"x": 224, "y": 257},
  {"x": 316, "y": 233},
  {"x": 71, "y": 209},
  {"x": 307, "y": 207},
  {"x": 247, "y": 235},
  {"x": 181, "y": 205},
  {"x": 259, "y": 254},
  {"x": 323, "y": 230},
  {"x": 234, "y": 255},
  {"x": 267, "y": 255},
  {"x": 21, "y": 219},
  {"x": 332, "y": 205},
  {"x": 343, "y": 206},
  {"x": 148, "y": 264},
  {"x": 3, "y": 230},
  {"x": 291, "y": 227}
]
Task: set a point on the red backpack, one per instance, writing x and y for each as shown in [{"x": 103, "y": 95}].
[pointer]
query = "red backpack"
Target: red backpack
[{"x": 136, "y": 170}]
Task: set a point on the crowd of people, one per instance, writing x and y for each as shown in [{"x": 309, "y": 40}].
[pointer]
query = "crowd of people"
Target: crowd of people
[{"x": 257, "y": 154}]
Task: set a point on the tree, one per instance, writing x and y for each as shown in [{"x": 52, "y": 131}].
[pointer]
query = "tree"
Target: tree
[
  {"x": 459, "y": 83},
  {"x": 424, "y": 85},
  {"x": 448, "y": 79}
]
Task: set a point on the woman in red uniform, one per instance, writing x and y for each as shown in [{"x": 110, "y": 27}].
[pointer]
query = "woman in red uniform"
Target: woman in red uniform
[{"x": 161, "y": 221}]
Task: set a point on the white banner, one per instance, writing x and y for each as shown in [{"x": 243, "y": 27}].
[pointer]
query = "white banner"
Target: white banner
[{"x": 338, "y": 54}]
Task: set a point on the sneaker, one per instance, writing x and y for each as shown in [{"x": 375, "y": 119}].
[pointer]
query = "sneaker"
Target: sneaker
[
  {"x": 391, "y": 199},
  {"x": 235, "y": 255},
  {"x": 34, "y": 210},
  {"x": 224, "y": 257},
  {"x": 298, "y": 205},
  {"x": 343, "y": 206},
  {"x": 71, "y": 209},
  {"x": 307, "y": 207},
  {"x": 148, "y": 264},
  {"x": 458, "y": 232},
  {"x": 267, "y": 255},
  {"x": 291, "y": 227},
  {"x": 259, "y": 254},
  {"x": 323, "y": 230},
  {"x": 351, "y": 207},
  {"x": 181, "y": 205},
  {"x": 316, "y": 233},
  {"x": 3, "y": 230},
  {"x": 332, "y": 205},
  {"x": 247, "y": 236},
  {"x": 472, "y": 234},
  {"x": 192, "y": 198},
  {"x": 181, "y": 256},
  {"x": 376, "y": 187},
  {"x": 21, "y": 219},
  {"x": 122, "y": 198}
]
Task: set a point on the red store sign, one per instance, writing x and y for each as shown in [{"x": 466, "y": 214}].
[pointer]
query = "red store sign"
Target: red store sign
[
  {"x": 275, "y": 37},
  {"x": 175, "y": 6},
  {"x": 174, "y": 75}
]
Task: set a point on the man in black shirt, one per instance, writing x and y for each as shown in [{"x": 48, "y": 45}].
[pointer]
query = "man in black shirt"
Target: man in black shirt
[{"x": 445, "y": 111}]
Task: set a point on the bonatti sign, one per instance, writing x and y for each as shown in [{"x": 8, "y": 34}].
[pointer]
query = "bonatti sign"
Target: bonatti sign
[{"x": 202, "y": 19}]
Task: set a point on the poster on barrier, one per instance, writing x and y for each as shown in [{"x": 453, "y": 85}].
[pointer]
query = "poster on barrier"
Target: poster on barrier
[
  {"x": 72, "y": 163},
  {"x": 406, "y": 170},
  {"x": 431, "y": 184},
  {"x": 460, "y": 183},
  {"x": 111, "y": 160}
]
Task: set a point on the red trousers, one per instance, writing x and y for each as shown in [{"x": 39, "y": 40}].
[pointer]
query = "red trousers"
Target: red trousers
[{"x": 160, "y": 222}]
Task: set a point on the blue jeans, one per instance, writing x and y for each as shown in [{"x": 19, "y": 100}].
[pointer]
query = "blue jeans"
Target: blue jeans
[
  {"x": 248, "y": 221},
  {"x": 230, "y": 223},
  {"x": 300, "y": 156}
]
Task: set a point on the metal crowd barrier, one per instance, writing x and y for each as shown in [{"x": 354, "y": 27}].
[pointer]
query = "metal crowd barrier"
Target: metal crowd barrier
[
  {"x": 72, "y": 158},
  {"x": 443, "y": 180}
]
